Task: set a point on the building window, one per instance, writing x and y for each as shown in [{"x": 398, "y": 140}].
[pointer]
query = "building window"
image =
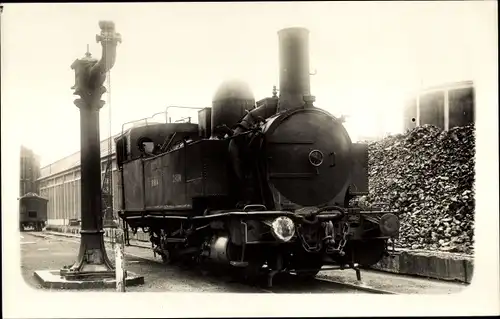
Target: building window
[
  {"x": 59, "y": 201},
  {"x": 410, "y": 114},
  {"x": 432, "y": 109},
  {"x": 51, "y": 202},
  {"x": 461, "y": 106},
  {"x": 79, "y": 198},
  {"x": 72, "y": 199},
  {"x": 66, "y": 201}
]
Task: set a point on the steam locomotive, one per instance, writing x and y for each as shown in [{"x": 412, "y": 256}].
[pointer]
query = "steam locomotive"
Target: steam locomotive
[{"x": 260, "y": 186}]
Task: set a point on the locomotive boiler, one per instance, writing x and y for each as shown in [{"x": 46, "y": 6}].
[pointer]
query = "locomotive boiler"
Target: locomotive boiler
[{"x": 260, "y": 186}]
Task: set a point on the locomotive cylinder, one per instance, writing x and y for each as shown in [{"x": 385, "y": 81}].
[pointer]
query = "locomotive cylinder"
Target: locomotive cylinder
[
  {"x": 229, "y": 105},
  {"x": 294, "y": 77}
]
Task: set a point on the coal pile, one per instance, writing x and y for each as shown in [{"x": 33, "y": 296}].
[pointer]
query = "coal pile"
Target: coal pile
[{"x": 427, "y": 175}]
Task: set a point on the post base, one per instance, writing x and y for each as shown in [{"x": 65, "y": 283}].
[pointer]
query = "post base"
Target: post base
[
  {"x": 88, "y": 272},
  {"x": 92, "y": 260},
  {"x": 53, "y": 280}
]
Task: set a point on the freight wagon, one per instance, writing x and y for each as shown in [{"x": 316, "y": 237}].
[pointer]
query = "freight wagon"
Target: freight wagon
[{"x": 32, "y": 212}]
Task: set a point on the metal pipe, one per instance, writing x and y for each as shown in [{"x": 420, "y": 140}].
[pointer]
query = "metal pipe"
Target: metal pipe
[
  {"x": 108, "y": 38},
  {"x": 294, "y": 73}
]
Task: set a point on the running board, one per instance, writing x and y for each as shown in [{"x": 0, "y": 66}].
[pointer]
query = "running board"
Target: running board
[{"x": 240, "y": 264}]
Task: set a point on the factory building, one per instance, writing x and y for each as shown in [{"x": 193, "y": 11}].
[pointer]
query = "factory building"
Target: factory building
[
  {"x": 29, "y": 172},
  {"x": 59, "y": 182},
  {"x": 445, "y": 106}
]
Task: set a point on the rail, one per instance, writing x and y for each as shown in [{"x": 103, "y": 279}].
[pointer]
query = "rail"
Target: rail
[{"x": 360, "y": 287}]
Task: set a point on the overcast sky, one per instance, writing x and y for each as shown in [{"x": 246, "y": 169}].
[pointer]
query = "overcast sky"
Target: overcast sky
[{"x": 369, "y": 57}]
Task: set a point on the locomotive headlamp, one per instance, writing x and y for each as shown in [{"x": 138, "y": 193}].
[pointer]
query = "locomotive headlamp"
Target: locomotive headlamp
[
  {"x": 389, "y": 224},
  {"x": 283, "y": 228}
]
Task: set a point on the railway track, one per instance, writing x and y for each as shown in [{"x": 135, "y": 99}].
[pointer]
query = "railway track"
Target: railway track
[{"x": 282, "y": 284}]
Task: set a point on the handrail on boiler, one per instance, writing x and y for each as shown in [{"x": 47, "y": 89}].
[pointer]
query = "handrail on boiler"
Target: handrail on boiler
[{"x": 180, "y": 107}]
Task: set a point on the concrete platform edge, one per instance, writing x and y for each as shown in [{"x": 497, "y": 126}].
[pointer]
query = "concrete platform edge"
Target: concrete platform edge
[{"x": 428, "y": 264}]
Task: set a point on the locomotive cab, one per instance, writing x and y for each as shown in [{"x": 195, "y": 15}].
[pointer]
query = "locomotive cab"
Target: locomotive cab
[{"x": 150, "y": 139}]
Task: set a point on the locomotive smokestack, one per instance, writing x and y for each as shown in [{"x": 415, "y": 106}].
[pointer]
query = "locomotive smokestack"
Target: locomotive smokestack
[{"x": 295, "y": 87}]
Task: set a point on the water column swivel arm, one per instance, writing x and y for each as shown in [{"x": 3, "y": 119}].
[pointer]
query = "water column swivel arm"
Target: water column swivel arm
[
  {"x": 109, "y": 39},
  {"x": 90, "y": 74}
]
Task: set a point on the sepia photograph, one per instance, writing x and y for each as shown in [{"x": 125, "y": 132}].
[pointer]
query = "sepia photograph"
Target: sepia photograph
[{"x": 309, "y": 152}]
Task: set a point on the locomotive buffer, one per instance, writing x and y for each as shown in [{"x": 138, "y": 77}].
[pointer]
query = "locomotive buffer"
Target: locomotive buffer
[{"x": 92, "y": 268}]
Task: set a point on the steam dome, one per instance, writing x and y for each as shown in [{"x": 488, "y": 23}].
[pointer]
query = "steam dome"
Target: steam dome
[{"x": 229, "y": 104}]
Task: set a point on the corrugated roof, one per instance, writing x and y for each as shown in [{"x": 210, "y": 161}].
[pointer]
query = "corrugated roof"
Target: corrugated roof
[
  {"x": 32, "y": 195},
  {"x": 73, "y": 160}
]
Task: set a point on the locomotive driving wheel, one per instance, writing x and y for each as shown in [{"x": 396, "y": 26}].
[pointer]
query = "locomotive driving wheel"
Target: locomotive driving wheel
[
  {"x": 165, "y": 257},
  {"x": 169, "y": 256},
  {"x": 252, "y": 272},
  {"x": 367, "y": 253},
  {"x": 307, "y": 266}
]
